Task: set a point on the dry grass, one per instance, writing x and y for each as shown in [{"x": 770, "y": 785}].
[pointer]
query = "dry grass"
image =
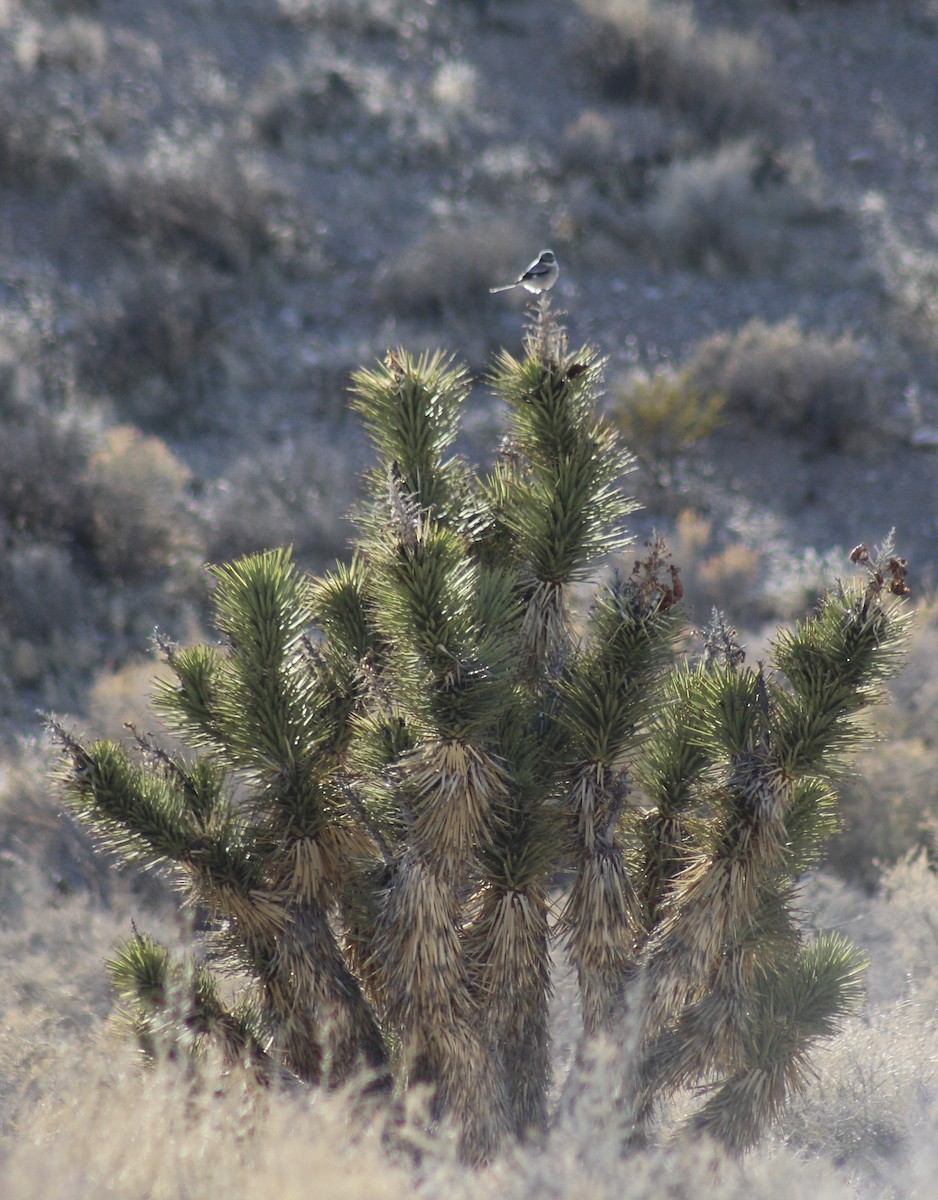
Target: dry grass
[
  {"x": 187, "y": 1140},
  {"x": 96, "y": 1128},
  {"x": 63, "y": 908}
]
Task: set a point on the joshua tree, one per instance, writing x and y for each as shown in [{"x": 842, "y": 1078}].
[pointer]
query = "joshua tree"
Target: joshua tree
[{"x": 399, "y": 775}]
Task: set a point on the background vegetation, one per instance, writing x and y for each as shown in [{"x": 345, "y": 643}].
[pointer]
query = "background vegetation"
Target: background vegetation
[{"x": 210, "y": 213}]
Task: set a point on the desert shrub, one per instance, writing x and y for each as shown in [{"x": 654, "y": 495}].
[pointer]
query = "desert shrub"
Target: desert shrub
[
  {"x": 70, "y": 95},
  {"x": 205, "y": 203},
  {"x": 49, "y": 866},
  {"x": 871, "y": 1104},
  {"x": 43, "y": 448},
  {"x": 716, "y": 572},
  {"x": 155, "y": 346},
  {"x": 915, "y": 691},
  {"x": 890, "y": 807},
  {"x": 295, "y": 493},
  {"x": 916, "y": 12},
  {"x": 869, "y": 1095},
  {"x": 921, "y": 14},
  {"x": 34, "y": 830},
  {"x": 82, "y": 507},
  {"x": 747, "y": 570},
  {"x": 365, "y": 18},
  {"x": 794, "y": 583},
  {"x": 454, "y": 86},
  {"x": 41, "y": 587},
  {"x": 656, "y": 50},
  {"x": 909, "y": 273},
  {"x": 143, "y": 522},
  {"x": 47, "y": 636},
  {"x": 818, "y": 386},
  {"x": 291, "y": 105},
  {"x": 118, "y": 700},
  {"x": 336, "y": 111},
  {"x": 45, "y": 138},
  {"x": 902, "y": 918},
  {"x": 623, "y": 154},
  {"x": 450, "y": 270},
  {"x": 727, "y": 209},
  {"x": 69, "y": 7},
  {"x": 64, "y": 475},
  {"x": 665, "y": 415},
  {"x": 76, "y": 44}
]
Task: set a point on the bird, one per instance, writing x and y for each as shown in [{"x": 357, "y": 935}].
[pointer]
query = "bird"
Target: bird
[{"x": 540, "y": 276}]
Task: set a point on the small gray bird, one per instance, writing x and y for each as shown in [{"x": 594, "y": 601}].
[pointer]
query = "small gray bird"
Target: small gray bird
[{"x": 540, "y": 276}]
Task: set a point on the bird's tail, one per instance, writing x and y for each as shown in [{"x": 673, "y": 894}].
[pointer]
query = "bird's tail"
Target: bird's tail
[{"x": 504, "y": 288}]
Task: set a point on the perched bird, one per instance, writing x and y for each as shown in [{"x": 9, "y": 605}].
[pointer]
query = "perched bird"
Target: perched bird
[{"x": 540, "y": 276}]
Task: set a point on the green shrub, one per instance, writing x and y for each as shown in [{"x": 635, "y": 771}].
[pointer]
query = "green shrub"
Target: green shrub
[{"x": 663, "y": 416}]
